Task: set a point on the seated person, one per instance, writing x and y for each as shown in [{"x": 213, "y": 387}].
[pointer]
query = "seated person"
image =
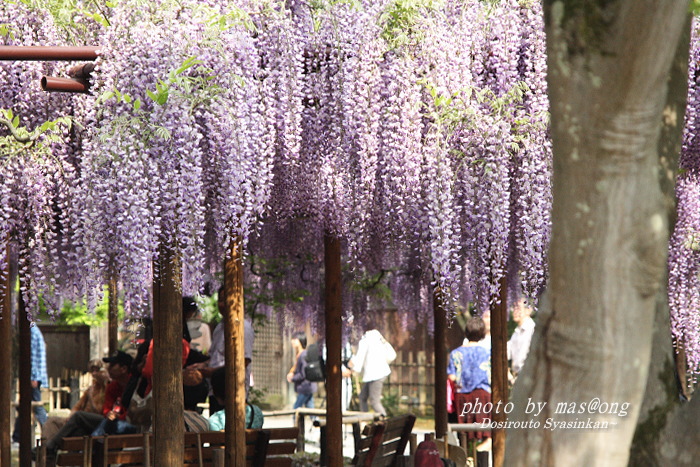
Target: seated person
[
  {"x": 137, "y": 406},
  {"x": 217, "y": 420},
  {"x": 84, "y": 423},
  {"x": 195, "y": 388},
  {"x": 91, "y": 400}
]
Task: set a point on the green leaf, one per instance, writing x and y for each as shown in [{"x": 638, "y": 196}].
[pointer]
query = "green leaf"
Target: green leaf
[
  {"x": 189, "y": 63},
  {"x": 152, "y": 95},
  {"x": 15, "y": 121},
  {"x": 45, "y": 126},
  {"x": 162, "y": 98},
  {"x": 162, "y": 133},
  {"x": 107, "y": 95},
  {"x": 137, "y": 104}
]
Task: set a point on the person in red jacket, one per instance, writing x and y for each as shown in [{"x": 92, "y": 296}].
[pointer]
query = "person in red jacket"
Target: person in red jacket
[{"x": 84, "y": 423}]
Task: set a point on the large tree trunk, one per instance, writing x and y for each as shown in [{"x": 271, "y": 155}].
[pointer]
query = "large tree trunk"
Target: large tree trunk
[
  {"x": 666, "y": 381},
  {"x": 168, "y": 398},
  {"x": 333, "y": 304},
  {"x": 234, "y": 351},
  {"x": 440, "y": 383},
  {"x": 26, "y": 437},
  {"x": 5, "y": 349},
  {"x": 608, "y": 65},
  {"x": 113, "y": 314}
]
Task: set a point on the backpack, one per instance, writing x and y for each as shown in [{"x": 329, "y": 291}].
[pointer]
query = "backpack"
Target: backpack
[
  {"x": 253, "y": 416},
  {"x": 427, "y": 455},
  {"x": 315, "y": 370},
  {"x": 195, "y": 422}
]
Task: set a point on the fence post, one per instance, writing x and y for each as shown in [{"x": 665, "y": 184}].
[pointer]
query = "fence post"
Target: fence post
[{"x": 74, "y": 384}]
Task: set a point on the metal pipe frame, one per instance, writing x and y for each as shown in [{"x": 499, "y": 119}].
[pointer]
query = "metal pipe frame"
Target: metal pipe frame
[
  {"x": 53, "y": 84},
  {"x": 47, "y": 53}
]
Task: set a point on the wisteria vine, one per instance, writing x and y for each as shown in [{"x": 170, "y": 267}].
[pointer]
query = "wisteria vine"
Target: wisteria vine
[{"x": 416, "y": 131}]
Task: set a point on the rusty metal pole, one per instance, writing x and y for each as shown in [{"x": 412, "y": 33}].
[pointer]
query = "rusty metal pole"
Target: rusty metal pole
[
  {"x": 334, "y": 329},
  {"x": 168, "y": 396},
  {"x": 5, "y": 349},
  {"x": 53, "y": 84},
  {"x": 47, "y": 53},
  {"x": 440, "y": 365},
  {"x": 499, "y": 372},
  {"x": 234, "y": 334}
]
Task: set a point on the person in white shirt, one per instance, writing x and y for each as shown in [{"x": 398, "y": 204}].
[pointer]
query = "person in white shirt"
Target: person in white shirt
[
  {"x": 217, "y": 350},
  {"x": 372, "y": 362},
  {"x": 519, "y": 343}
]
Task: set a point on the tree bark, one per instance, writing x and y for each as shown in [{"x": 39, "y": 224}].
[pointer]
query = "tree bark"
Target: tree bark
[
  {"x": 666, "y": 382},
  {"x": 334, "y": 327},
  {"x": 26, "y": 440},
  {"x": 113, "y": 315},
  {"x": 608, "y": 66},
  {"x": 439, "y": 315},
  {"x": 678, "y": 444},
  {"x": 168, "y": 398},
  {"x": 234, "y": 333},
  {"x": 499, "y": 372},
  {"x": 6, "y": 349}
]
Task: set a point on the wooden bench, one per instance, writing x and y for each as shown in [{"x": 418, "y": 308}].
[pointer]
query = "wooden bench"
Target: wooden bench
[
  {"x": 382, "y": 443},
  {"x": 137, "y": 449},
  {"x": 283, "y": 443}
]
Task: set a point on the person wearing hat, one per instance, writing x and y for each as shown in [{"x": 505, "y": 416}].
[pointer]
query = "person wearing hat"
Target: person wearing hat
[{"x": 84, "y": 423}]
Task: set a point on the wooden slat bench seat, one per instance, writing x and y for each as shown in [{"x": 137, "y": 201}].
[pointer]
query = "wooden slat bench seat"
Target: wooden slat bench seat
[
  {"x": 283, "y": 443},
  {"x": 138, "y": 449},
  {"x": 383, "y": 442}
]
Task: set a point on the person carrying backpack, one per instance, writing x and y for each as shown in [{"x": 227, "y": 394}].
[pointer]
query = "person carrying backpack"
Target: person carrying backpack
[{"x": 304, "y": 388}]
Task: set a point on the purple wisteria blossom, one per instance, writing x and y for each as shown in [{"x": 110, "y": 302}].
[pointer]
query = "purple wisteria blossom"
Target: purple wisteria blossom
[{"x": 415, "y": 132}]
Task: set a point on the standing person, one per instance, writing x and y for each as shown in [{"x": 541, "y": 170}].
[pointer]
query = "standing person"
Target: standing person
[
  {"x": 469, "y": 366},
  {"x": 304, "y": 388},
  {"x": 39, "y": 377},
  {"x": 372, "y": 360},
  {"x": 217, "y": 351},
  {"x": 519, "y": 343}
]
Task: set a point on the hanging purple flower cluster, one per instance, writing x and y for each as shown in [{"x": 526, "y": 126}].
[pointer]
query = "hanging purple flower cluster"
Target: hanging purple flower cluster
[
  {"x": 179, "y": 147},
  {"x": 33, "y": 177},
  {"x": 414, "y": 131},
  {"x": 488, "y": 95},
  {"x": 424, "y": 145},
  {"x": 684, "y": 247}
]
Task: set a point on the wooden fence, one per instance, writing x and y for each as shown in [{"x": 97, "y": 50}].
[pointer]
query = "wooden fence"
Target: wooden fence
[{"x": 411, "y": 383}]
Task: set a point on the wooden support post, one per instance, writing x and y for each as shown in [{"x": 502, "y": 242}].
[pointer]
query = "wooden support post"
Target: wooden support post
[
  {"x": 499, "y": 372},
  {"x": 5, "y": 349},
  {"x": 26, "y": 438},
  {"x": 234, "y": 333},
  {"x": 168, "y": 399},
  {"x": 113, "y": 318},
  {"x": 334, "y": 328},
  {"x": 440, "y": 365},
  {"x": 301, "y": 441}
]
